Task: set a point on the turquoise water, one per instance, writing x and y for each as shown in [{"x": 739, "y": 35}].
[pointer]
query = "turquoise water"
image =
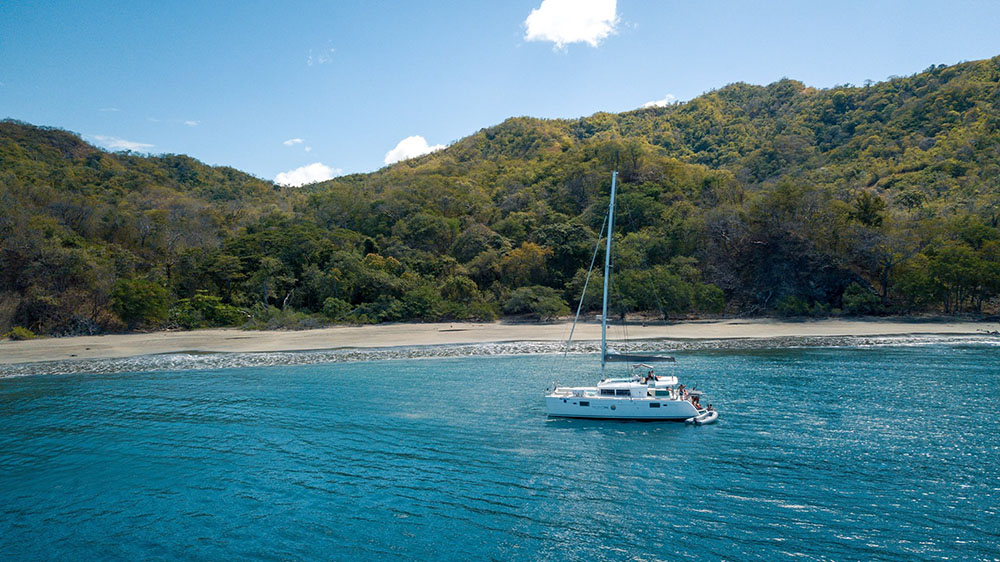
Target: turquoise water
[{"x": 888, "y": 453}]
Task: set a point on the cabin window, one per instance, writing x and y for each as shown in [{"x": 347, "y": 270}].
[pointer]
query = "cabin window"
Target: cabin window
[
  {"x": 654, "y": 404},
  {"x": 585, "y": 403},
  {"x": 622, "y": 392},
  {"x": 607, "y": 392}
]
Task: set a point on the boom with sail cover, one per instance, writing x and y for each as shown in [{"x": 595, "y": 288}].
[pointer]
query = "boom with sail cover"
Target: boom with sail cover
[{"x": 633, "y": 358}]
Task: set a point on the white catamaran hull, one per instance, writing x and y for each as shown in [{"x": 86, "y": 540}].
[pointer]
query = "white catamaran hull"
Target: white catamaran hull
[{"x": 650, "y": 409}]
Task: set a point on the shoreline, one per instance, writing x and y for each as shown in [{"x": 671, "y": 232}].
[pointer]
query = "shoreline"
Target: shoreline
[{"x": 384, "y": 336}]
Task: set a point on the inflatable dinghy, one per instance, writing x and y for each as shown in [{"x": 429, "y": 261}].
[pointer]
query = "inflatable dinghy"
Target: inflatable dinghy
[{"x": 704, "y": 418}]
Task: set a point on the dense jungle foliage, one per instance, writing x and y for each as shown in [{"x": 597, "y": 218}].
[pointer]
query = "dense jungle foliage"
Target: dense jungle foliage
[{"x": 778, "y": 199}]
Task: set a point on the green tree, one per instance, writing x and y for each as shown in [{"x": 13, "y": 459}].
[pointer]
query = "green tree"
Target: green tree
[
  {"x": 460, "y": 289},
  {"x": 139, "y": 301},
  {"x": 792, "y": 305},
  {"x": 860, "y": 300},
  {"x": 542, "y": 303},
  {"x": 525, "y": 265},
  {"x": 421, "y": 303},
  {"x": 336, "y": 309},
  {"x": 594, "y": 296},
  {"x": 204, "y": 310},
  {"x": 868, "y": 209}
]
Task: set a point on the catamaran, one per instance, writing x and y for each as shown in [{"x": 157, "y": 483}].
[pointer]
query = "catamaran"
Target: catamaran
[{"x": 642, "y": 394}]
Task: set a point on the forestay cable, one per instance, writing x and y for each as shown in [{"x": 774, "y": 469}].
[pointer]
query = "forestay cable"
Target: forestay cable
[{"x": 586, "y": 282}]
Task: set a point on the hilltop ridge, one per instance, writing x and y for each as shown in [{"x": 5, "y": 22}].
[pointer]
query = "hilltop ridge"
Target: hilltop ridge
[{"x": 786, "y": 199}]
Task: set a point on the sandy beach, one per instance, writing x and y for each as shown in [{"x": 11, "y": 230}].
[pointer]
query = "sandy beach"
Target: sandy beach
[{"x": 393, "y": 335}]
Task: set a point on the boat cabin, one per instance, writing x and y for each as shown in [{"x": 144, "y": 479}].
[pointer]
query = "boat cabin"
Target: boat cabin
[{"x": 622, "y": 389}]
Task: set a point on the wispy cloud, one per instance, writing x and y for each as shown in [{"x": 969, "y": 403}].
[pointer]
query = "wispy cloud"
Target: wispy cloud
[
  {"x": 108, "y": 109},
  {"x": 297, "y": 141},
  {"x": 323, "y": 56},
  {"x": 192, "y": 123},
  {"x": 115, "y": 143},
  {"x": 410, "y": 147},
  {"x": 669, "y": 99},
  {"x": 312, "y": 173},
  {"x": 572, "y": 21}
]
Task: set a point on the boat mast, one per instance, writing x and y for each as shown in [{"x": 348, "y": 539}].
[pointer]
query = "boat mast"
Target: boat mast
[{"x": 607, "y": 275}]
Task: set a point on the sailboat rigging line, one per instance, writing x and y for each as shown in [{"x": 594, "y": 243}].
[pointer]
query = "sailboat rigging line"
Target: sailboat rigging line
[
  {"x": 579, "y": 307},
  {"x": 620, "y": 296},
  {"x": 607, "y": 273},
  {"x": 621, "y": 299}
]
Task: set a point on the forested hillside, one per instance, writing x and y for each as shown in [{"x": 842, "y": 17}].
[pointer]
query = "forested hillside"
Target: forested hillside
[{"x": 778, "y": 199}]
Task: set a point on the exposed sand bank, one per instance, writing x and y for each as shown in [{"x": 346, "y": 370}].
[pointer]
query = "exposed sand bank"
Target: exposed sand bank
[{"x": 393, "y": 335}]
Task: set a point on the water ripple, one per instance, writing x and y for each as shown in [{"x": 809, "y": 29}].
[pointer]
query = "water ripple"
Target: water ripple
[{"x": 823, "y": 452}]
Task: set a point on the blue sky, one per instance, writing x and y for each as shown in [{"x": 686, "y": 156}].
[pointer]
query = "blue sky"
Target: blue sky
[{"x": 332, "y": 87}]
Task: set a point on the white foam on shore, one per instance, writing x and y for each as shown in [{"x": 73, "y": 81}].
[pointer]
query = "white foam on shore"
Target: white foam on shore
[{"x": 202, "y": 361}]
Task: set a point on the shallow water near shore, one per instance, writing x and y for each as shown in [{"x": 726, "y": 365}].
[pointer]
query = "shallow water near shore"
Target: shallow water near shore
[{"x": 872, "y": 451}]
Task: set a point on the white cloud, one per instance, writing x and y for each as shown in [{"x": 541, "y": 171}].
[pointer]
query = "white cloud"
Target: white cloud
[
  {"x": 292, "y": 142},
  {"x": 308, "y": 149},
  {"x": 667, "y": 100},
  {"x": 317, "y": 171},
  {"x": 572, "y": 21},
  {"x": 108, "y": 109},
  {"x": 410, "y": 147},
  {"x": 320, "y": 57},
  {"x": 192, "y": 123},
  {"x": 115, "y": 143}
]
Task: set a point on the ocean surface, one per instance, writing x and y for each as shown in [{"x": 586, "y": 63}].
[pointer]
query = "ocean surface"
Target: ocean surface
[{"x": 857, "y": 452}]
